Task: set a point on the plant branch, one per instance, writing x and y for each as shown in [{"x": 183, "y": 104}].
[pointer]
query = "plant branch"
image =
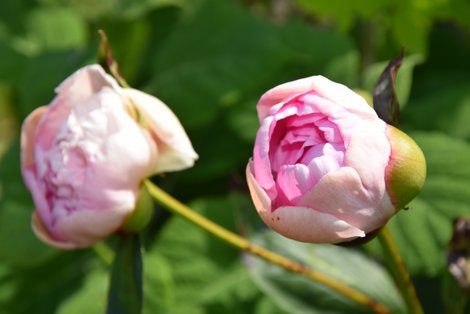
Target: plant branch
[
  {"x": 176, "y": 207},
  {"x": 399, "y": 271}
]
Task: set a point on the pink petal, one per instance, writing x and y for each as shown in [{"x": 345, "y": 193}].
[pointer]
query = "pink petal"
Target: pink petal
[
  {"x": 175, "y": 149},
  {"x": 28, "y": 133},
  {"x": 368, "y": 153},
  {"x": 292, "y": 182},
  {"x": 41, "y": 232},
  {"x": 281, "y": 93},
  {"x": 308, "y": 225},
  {"x": 343, "y": 96},
  {"x": 260, "y": 198},
  {"x": 87, "y": 227},
  {"x": 341, "y": 194},
  {"x": 261, "y": 158}
]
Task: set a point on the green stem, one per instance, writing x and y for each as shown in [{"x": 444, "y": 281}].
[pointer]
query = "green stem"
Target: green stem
[
  {"x": 125, "y": 295},
  {"x": 399, "y": 271},
  {"x": 176, "y": 207},
  {"x": 104, "y": 253}
]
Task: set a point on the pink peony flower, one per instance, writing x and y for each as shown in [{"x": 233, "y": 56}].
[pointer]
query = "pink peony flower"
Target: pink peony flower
[
  {"x": 84, "y": 156},
  {"x": 325, "y": 168}
]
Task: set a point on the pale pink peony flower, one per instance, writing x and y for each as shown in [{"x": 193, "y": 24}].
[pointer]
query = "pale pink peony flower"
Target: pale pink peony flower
[
  {"x": 84, "y": 156},
  {"x": 325, "y": 168}
]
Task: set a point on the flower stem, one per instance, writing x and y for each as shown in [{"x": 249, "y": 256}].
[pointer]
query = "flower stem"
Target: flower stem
[
  {"x": 105, "y": 254},
  {"x": 176, "y": 207},
  {"x": 399, "y": 271}
]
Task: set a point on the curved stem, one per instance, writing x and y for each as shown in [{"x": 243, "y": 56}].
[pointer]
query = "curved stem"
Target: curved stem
[
  {"x": 105, "y": 254},
  {"x": 399, "y": 271},
  {"x": 167, "y": 201}
]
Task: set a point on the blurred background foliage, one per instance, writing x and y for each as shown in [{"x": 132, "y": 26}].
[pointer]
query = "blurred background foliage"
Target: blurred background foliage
[{"x": 210, "y": 60}]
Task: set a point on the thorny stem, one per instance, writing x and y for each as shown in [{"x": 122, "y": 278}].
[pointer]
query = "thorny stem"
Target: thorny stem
[
  {"x": 399, "y": 271},
  {"x": 176, "y": 207}
]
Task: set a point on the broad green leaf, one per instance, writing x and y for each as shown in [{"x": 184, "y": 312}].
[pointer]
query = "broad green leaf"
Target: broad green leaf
[
  {"x": 343, "y": 12},
  {"x": 208, "y": 276},
  {"x": 11, "y": 63},
  {"x": 94, "y": 287},
  {"x": 220, "y": 152},
  {"x": 128, "y": 9},
  {"x": 423, "y": 231},
  {"x": 126, "y": 288},
  {"x": 243, "y": 119},
  {"x": 345, "y": 265},
  {"x": 42, "y": 289},
  {"x": 18, "y": 244},
  {"x": 445, "y": 108},
  {"x": 23, "y": 249},
  {"x": 199, "y": 70},
  {"x": 307, "y": 54},
  {"x": 159, "y": 285},
  {"x": 44, "y": 73},
  {"x": 56, "y": 28}
]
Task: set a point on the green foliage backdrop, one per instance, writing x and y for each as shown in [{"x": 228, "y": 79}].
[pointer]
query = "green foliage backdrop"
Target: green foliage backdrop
[{"x": 210, "y": 60}]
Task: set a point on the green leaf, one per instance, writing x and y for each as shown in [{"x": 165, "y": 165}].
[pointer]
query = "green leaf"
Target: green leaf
[
  {"x": 159, "y": 284},
  {"x": 18, "y": 245},
  {"x": 44, "y": 73},
  {"x": 198, "y": 74},
  {"x": 46, "y": 27},
  {"x": 23, "y": 249},
  {"x": 207, "y": 275},
  {"x": 45, "y": 286},
  {"x": 125, "y": 291},
  {"x": 443, "y": 106},
  {"x": 343, "y": 12},
  {"x": 94, "y": 288},
  {"x": 423, "y": 231},
  {"x": 345, "y": 265}
]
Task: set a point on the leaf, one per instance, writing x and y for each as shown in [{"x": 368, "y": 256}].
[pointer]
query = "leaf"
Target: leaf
[
  {"x": 46, "y": 27},
  {"x": 94, "y": 288},
  {"x": 125, "y": 291},
  {"x": 45, "y": 286},
  {"x": 343, "y": 13},
  {"x": 44, "y": 73},
  {"x": 208, "y": 276},
  {"x": 444, "y": 106},
  {"x": 16, "y": 206},
  {"x": 214, "y": 71},
  {"x": 345, "y": 265},
  {"x": 423, "y": 231},
  {"x": 385, "y": 99}
]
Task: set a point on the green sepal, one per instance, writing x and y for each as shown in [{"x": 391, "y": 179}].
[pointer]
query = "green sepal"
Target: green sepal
[
  {"x": 406, "y": 170},
  {"x": 142, "y": 213}
]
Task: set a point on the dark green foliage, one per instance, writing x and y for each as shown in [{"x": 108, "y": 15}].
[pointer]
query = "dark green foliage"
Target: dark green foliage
[{"x": 210, "y": 61}]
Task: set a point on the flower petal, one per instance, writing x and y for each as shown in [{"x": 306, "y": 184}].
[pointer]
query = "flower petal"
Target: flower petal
[
  {"x": 175, "y": 149},
  {"x": 308, "y": 225},
  {"x": 368, "y": 153},
  {"x": 41, "y": 232},
  {"x": 341, "y": 194},
  {"x": 28, "y": 134},
  {"x": 260, "y": 198}
]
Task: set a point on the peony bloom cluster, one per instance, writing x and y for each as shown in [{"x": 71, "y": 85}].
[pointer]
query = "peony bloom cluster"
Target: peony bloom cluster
[
  {"x": 85, "y": 155},
  {"x": 325, "y": 167}
]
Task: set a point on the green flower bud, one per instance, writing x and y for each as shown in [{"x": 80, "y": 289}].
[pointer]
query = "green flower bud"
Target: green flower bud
[{"x": 406, "y": 170}]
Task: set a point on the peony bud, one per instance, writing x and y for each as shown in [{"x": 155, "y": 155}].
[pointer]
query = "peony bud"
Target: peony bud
[
  {"x": 325, "y": 168},
  {"x": 84, "y": 157}
]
